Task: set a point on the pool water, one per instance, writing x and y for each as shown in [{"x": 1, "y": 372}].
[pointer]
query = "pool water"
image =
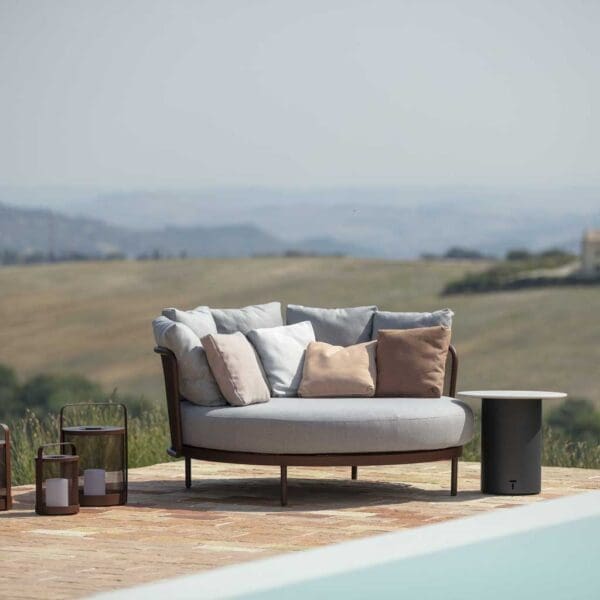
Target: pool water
[{"x": 556, "y": 562}]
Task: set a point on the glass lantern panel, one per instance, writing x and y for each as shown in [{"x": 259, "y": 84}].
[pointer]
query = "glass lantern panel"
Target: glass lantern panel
[
  {"x": 101, "y": 452},
  {"x": 59, "y": 471}
]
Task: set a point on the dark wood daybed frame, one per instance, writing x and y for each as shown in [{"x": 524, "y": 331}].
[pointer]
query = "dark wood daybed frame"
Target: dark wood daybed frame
[{"x": 178, "y": 448}]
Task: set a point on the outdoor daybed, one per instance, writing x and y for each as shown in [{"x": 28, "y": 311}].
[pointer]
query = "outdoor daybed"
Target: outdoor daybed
[{"x": 329, "y": 431}]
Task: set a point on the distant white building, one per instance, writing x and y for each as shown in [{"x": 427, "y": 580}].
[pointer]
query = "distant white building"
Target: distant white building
[{"x": 590, "y": 252}]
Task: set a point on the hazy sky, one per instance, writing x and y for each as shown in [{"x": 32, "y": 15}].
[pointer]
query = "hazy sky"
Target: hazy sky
[{"x": 298, "y": 93}]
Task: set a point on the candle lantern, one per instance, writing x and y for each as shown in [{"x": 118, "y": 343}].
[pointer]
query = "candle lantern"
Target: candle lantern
[
  {"x": 5, "y": 474},
  {"x": 56, "y": 481},
  {"x": 102, "y": 453}
]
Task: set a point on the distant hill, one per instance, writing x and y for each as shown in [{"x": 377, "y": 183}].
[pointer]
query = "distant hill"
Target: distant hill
[
  {"x": 31, "y": 230},
  {"x": 402, "y": 222}
]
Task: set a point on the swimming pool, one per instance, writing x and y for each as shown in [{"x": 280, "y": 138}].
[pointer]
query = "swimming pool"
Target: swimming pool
[{"x": 548, "y": 550}]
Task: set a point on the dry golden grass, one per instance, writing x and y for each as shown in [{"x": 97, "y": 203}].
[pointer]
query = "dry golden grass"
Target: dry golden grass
[{"x": 94, "y": 318}]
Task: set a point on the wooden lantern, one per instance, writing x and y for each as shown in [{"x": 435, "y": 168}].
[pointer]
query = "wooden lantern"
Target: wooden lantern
[
  {"x": 56, "y": 481},
  {"x": 5, "y": 474},
  {"x": 102, "y": 453}
]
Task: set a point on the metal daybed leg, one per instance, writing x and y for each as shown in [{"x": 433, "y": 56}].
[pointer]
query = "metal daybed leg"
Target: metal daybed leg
[
  {"x": 188, "y": 472},
  {"x": 454, "y": 477},
  {"x": 283, "y": 483},
  {"x": 355, "y": 473}
]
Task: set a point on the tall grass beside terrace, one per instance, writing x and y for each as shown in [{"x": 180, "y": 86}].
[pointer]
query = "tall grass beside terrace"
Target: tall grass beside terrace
[
  {"x": 148, "y": 438},
  {"x": 558, "y": 450}
]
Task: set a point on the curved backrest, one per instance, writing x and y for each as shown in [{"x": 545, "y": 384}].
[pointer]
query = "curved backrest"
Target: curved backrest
[
  {"x": 171, "y": 375},
  {"x": 451, "y": 372}
]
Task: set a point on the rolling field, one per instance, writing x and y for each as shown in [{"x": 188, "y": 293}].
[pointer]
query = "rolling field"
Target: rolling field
[{"x": 94, "y": 318}]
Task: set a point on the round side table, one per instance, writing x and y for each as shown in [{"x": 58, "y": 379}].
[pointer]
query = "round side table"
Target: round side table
[{"x": 511, "y": 440}]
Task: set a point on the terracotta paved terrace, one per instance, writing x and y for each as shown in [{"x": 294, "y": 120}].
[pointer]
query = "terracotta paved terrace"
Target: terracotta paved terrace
[{"x": 230, "y": 515}]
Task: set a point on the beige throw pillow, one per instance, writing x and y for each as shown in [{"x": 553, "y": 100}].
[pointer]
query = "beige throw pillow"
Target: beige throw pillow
[
  {"x": 412, "y": 362},
  {"x": 236, "y": 367},
  {"x": 331, "y": 371}
]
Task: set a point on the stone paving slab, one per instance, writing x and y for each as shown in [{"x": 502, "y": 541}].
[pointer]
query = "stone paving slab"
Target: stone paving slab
[{"x": 230, "y": 515}]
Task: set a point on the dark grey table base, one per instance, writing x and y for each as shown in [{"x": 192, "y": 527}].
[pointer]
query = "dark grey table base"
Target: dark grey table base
[{"x": 511, "y": 446}]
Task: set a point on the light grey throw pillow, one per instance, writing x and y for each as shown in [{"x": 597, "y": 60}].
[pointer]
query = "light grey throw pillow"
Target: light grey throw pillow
[
  {"x": 196, "y": 382},
  {"x": 199, "y": 320},
  {"x": 281, "y": 351},
  {"x": 336, "y": 326},
  {"x": 411, "y": 320},
  {"x": 230, "y": 320}
]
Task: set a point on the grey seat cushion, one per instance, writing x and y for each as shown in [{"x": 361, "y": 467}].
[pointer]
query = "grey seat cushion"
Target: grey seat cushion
[
  {"x": 330, "y": 425},
  {"x": 335, "y": 326}
]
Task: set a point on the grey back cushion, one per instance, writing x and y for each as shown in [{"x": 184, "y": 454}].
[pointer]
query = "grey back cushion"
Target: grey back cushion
[
  {"x": 231, "y": 320},
  {"x": 336, "y": 326},
  {"x": 411, "y": 320},
  {"x": 199, "y": 320},
  {"x": 281, "y": 351},
  {"x": 196, "y": 381}
]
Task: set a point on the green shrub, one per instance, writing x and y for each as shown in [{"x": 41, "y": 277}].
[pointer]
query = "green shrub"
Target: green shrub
[
  {"x": 513, "y": 273},
  {"x": 47, "y": 393},
  {"x": 518, "y": 254},
  {"x": 9, "y": 389},
  {"x": 577, "y": 419}
]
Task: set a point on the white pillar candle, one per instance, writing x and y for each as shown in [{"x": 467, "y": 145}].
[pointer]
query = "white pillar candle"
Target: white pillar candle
[
  {"x": 94, "y": 482},
  {"x": 57, "y": 492}
]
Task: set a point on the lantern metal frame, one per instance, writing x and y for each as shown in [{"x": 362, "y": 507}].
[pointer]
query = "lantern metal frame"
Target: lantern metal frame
[
  {"x": 78, "y": 436},
  {"x": 6, "y": 495},
  {"x": 67, "y": 462}
]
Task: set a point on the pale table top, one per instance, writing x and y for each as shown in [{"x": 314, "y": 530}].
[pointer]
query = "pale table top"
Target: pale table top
[{"x": 512, "y": 394}]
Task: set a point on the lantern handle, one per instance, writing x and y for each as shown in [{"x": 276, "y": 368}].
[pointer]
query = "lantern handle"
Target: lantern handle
[
  {"x": 41, "y": 448},
  {"x": 7, "y": 467},
  {"x": 62, "y": 410}
]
